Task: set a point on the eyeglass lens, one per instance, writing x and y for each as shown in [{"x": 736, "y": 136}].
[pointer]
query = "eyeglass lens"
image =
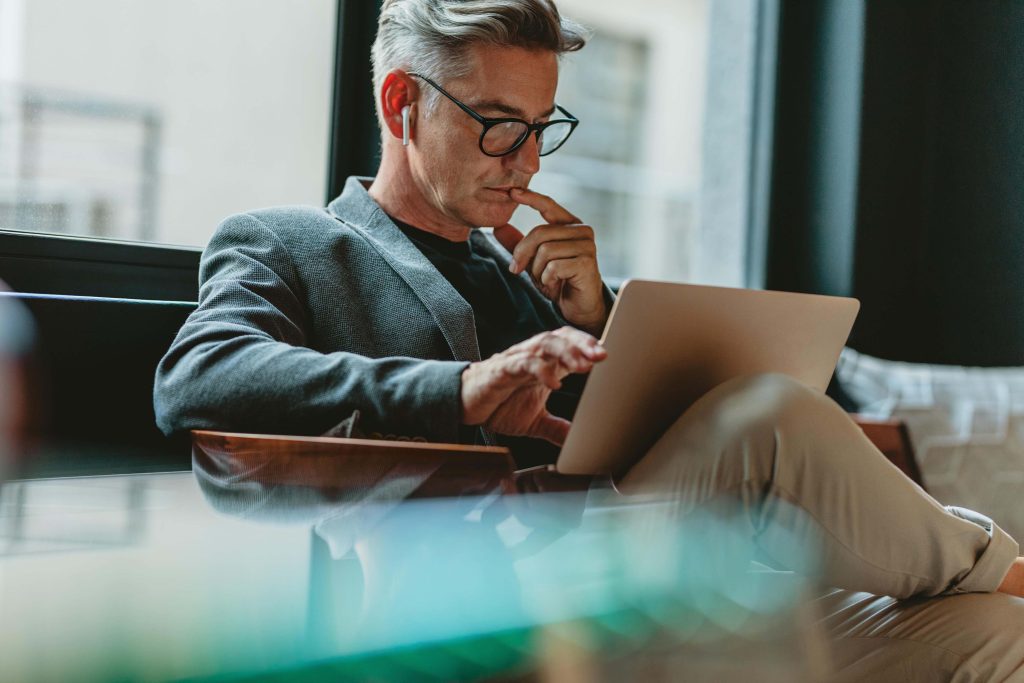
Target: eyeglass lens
[{"x": 502, "y": 137}]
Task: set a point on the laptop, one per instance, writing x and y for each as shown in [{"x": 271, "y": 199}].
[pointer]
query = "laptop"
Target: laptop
[{"x": 669, "y": 344}]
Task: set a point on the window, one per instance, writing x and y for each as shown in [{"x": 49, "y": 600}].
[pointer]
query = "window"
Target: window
[
  {"x": 147, "y": 120},
  {"x": 661, "y": 160},
  {"x": 153, "y": 120}
]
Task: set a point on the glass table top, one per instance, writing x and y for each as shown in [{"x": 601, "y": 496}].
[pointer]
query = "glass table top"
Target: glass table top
[{"x": 220, "y": 574}]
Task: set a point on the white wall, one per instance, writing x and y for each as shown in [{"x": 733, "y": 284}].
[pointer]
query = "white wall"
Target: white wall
[{"x": 243, "y": 88}]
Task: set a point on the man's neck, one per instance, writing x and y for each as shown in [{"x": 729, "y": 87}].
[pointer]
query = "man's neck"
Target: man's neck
[{"x": 395, "y": 192}]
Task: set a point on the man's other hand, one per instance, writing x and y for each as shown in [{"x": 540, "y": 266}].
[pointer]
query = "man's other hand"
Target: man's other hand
[
  {"x": 508, "y": 392},
  {"x": 561, "y": 258}
]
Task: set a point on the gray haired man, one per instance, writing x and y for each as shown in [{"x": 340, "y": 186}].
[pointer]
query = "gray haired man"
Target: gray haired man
[{"x": 390, "y": 308}]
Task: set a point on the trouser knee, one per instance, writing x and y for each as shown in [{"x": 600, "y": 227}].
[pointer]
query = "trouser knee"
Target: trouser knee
[
  {"x": 770, "y": 407},
  {"x": 734, "y": 434}
]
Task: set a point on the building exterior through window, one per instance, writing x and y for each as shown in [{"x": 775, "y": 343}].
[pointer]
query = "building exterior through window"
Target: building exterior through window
[{"x": 153, "y": 120}]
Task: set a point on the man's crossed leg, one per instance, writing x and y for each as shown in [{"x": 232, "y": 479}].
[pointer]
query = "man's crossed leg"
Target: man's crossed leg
[{"x": 915, "y": 583}]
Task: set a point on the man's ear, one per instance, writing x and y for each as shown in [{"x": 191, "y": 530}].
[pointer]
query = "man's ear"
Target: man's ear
[{"x": 397, "y": 92}]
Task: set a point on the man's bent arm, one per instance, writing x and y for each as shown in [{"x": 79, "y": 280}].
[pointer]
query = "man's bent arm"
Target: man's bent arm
[{"x": 241, "y": 363}]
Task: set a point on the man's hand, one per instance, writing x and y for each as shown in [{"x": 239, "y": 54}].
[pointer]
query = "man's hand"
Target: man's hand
[
  {"x": 507, "y": 392},
  {"x": 561, "y": 258}
]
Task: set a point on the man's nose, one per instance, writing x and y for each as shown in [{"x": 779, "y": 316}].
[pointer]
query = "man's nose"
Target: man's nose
[{"x": 526, "y": 159}]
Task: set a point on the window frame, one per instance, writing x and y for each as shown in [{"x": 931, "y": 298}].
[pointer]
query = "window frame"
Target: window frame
[{"x": 51, "y": 263}]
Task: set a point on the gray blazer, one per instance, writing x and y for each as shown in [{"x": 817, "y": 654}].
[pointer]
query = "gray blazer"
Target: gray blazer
[{"x": 307, "y": 315}]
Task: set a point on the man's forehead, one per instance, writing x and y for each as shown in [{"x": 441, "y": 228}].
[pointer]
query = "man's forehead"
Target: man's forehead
[
  {"x": 508, "y": 81},
  {"x": 506, "y": 108}
]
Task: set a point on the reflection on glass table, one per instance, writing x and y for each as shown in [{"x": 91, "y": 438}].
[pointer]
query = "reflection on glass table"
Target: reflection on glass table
[{"x": 220, "y": 574}]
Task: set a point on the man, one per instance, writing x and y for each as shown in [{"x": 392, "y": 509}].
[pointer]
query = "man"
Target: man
[{"x": 391, "y": 313}]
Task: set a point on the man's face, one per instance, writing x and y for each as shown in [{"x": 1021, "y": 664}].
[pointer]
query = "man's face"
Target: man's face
[{"x": 455, "y": 177}]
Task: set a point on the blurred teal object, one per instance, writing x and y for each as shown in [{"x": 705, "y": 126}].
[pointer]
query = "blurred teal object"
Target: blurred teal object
[
  {"x": 15, "y": 343},
  {"x": 15, "y": 326},
  {"x": 190, "y": 577}
]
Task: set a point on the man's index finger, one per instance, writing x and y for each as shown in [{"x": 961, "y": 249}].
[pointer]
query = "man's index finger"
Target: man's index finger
[{"x": 548, "y": 208}]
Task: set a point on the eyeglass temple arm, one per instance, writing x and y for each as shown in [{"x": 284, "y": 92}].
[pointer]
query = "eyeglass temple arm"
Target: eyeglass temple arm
[{"x": 459, "y": 104}]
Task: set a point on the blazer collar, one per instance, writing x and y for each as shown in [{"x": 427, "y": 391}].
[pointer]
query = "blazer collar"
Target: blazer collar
[{"x": 453, "y": 315}]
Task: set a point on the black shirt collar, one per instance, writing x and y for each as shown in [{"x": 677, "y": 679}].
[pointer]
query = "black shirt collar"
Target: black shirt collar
[{"x": 433, "y": 241}]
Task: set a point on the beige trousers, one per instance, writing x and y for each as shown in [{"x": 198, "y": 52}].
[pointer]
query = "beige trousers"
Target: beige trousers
[{"x": 805, "y": 475}]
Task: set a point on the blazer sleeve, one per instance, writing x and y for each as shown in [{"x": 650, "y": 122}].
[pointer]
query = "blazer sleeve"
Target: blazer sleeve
[{"x": 240, "y": 361}]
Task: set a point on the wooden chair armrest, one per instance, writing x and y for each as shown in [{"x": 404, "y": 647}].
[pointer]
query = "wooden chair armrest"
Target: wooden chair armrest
[
  {"x": 893, "y": 440},
  {"x": 341, "y": 465}
]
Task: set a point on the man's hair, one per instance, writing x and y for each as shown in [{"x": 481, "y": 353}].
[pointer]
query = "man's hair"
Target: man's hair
[{"x": 432, "y": 37}]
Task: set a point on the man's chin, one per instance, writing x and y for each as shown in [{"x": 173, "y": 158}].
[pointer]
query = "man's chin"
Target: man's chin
[{"x": 493, "y": 215}]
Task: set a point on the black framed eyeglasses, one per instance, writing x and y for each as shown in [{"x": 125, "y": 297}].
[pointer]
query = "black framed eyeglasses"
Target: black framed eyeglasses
[{"x": 505, "y": 135}]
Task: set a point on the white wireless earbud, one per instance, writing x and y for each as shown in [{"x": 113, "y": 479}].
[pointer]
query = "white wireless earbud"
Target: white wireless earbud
[{"x": 405, "y": 125}]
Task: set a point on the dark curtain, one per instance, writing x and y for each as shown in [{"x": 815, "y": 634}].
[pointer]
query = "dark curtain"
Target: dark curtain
[{"x": 898, "y": 173}]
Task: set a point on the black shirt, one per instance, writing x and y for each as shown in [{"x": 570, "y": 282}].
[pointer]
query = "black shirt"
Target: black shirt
[{"x": 505, "y": 315}]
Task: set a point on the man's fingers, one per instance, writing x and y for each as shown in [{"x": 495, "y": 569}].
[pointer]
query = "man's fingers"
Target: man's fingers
[
  {"x": 551, "y": 428},
  {"x": 525, "y": 252},
  {"x": 587, "y": 343},
  {"x": 563, "y": 250},
  {"x": 573, "y": 348},
  {"x": 548, "y": 208},
  {"x": 511, "y": 382},
  {"x": 524, "y": 368},
  {"x": 559, "y": 271},
  {"x": 549, "y": 371},
  {"x": 508, "y": 236},
  {"x": 550, "y": 356}
]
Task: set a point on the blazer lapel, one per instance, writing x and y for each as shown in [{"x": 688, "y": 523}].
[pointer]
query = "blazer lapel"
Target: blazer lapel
[{"x": 452, "y": 314}]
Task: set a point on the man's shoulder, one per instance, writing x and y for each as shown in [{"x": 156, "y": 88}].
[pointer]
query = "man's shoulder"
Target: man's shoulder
[
  {"x": 288, "y": 213},
  {"x": 289, "y": 218},
  {"x": 291, "y": 224}
]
